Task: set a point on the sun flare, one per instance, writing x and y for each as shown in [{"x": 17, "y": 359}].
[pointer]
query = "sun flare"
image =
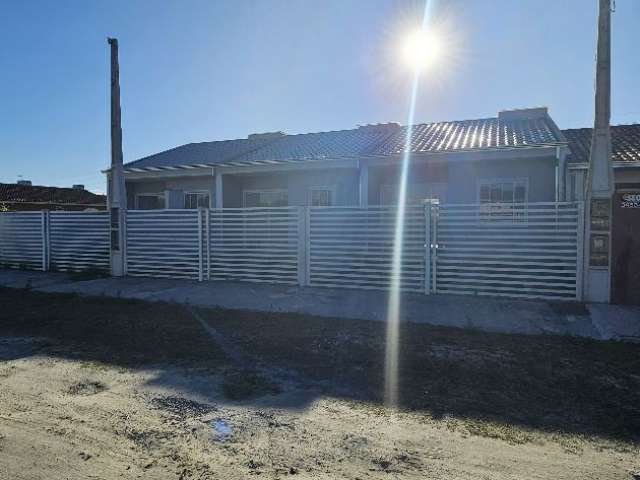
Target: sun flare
[{"x": 421, "y": 49}]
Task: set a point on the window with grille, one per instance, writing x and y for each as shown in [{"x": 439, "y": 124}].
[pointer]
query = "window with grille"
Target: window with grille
[
  {"x": 502, "y": 199},
  {"x": 196, "y": 199},
  {"x": 321, "y": 197}
]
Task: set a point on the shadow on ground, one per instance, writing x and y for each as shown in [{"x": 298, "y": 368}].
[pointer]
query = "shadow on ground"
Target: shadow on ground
[{"x": 550, "y": 383}]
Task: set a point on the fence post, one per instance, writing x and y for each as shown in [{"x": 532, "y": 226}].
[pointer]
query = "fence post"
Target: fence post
[
  {"x": 46, "y": 240},
  {"x": 303, "y": 273},
  {"x": 580, "y": 252},
  {"x": 427, "y": 247},
  {"x": 207, "y": 240},
  {"x": 200, "y": 263},
  {"x": 434, "y": 206}
]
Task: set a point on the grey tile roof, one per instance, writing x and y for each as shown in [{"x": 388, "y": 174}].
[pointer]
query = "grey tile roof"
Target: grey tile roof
[
  {"x": 625, "y": 143},
  {"x": 471, "y": 135},
  {"x": 199, "y": 153},
  {"x": 370, "y": 140},
  {"x": 323, "y": 145}
]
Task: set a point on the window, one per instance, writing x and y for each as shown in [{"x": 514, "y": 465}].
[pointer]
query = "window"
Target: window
[
  {"x": 265, "y": 198},
  {"x": 196, "y": 199},
  {"x": 150, "y": 201},
  {"x": 502, "y": 199},
  {"x": 320, "y": 197}
]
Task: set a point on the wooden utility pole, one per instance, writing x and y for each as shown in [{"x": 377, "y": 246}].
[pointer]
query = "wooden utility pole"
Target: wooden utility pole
[
  {"x": 600, "y": 181},
  {"x": 117, "y": 192}
]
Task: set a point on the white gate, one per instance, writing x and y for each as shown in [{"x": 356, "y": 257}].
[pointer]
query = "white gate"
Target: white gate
[
  {"x": 523, "y": 250},
  {"x": 353, "y": 247}
]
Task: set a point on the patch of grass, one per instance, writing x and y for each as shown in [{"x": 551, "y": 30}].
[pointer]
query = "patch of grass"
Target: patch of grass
[{"x": 247, "y": 384}]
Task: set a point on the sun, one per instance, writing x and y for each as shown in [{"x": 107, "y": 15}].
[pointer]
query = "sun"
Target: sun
[{"x": 421, "y": 50}]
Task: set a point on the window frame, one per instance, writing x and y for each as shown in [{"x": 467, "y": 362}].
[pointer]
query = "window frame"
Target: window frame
[
  {"x": 162, "y": 196},
  {"x": 502, "y": 210},
  {"x": 315, "y": 188},
  {"x": 195, "y": 192},
  {"x": 266, "y": 190},
  {"x": 493, "y": 181}
]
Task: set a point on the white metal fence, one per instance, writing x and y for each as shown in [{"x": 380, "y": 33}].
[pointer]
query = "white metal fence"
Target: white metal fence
[
  {"x": 528, "y": 250},
  {"x": 164, "y": 243},
  {"x": 22, "y": 240},
  {"x": 78, "y": 241},
  {"x": 255, "y": 244}
]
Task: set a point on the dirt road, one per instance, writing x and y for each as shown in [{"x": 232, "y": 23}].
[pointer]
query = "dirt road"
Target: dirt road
[{"x": 170, "y": 405}]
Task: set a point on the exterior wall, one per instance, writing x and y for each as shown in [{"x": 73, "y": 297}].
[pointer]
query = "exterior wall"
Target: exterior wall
[
  {"x": 630, "y": 175},
  {"x": 456, "y": 182},
  {"x": 173, "y": 189},
  {"x": 459, "y": 181},
  {"x": 342, "y": 181},
  {"x": 135, "y": 188},
  {"x": 577, "y": 180},
  {"x": 464, "y": 178}
]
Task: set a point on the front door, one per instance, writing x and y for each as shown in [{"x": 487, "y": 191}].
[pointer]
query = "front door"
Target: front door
[{"x": 625, "y": 275}]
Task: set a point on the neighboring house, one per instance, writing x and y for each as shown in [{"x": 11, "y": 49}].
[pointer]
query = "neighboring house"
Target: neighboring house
[
  {"x": 625, "y": 155},
  {"x": 23, "y": 196},
  {"x": 518, "y": 156}
]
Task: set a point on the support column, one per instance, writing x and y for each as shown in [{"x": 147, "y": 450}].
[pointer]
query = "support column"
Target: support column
[
  {"x": 561, "y": 158},
  {"x": 364, "y": 184},
  {"x": 219, "y": 191},
  {"x": 597, "y": 284}
]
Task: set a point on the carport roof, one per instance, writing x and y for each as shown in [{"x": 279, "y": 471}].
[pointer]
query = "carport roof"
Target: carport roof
[{"x": 203, "y": 153}]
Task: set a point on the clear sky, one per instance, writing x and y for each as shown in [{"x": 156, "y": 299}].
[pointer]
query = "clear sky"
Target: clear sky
[{"x": 209, "y": 70}]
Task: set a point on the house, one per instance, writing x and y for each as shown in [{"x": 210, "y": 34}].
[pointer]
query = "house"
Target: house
[
  {"x": 518, "y": 156},
  {"x": 625, "y": 233},
  {"x": 625, "y": 156},
  {"x": 23, "y": 196}
]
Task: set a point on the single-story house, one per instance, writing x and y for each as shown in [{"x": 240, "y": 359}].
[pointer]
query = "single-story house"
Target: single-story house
[
  {"x": 625, "y": 156},
  {"x": 23, "y": 196},
  {"x": 518, "y": 156}
]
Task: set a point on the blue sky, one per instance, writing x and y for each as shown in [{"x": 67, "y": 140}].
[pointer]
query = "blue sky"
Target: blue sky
[{"x": 209, "y": 70}]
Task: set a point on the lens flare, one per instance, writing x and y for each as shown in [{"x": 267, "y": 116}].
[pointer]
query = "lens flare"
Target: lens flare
[{"x": 416, "y": 51}]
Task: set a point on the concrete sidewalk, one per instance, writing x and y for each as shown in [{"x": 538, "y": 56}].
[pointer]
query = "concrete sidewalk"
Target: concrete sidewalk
[{"x": 490, "y": 314}]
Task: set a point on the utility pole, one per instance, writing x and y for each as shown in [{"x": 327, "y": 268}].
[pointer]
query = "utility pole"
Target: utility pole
[
  {"x": 600, "y": 181},
  {"x": 117, "y": 196}
]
